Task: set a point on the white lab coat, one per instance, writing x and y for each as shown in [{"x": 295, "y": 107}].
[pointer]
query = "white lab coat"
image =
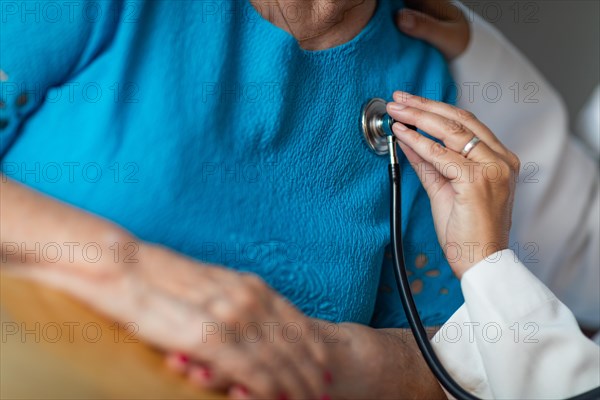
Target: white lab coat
[
  {"x": 513, "y": 338},
  {"x": 588, "y": 125},
  {"x": 556, "y": 221}
]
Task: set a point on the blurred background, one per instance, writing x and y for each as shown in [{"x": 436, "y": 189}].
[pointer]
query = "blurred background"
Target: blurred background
[{"x": 561, "y": 37}]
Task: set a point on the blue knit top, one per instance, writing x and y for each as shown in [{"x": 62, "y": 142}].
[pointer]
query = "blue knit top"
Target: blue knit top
[{"x": 201, "y": 126}]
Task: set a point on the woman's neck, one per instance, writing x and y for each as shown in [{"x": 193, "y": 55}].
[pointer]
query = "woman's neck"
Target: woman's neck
[{"x": 318, "y": 24}]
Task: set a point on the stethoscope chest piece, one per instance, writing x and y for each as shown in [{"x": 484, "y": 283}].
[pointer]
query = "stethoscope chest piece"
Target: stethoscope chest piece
[{"x": 376, "y": 125}]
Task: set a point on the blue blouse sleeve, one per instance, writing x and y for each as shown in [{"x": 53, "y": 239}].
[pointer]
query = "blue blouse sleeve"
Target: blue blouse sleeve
[{"x": 43, "y": 45}]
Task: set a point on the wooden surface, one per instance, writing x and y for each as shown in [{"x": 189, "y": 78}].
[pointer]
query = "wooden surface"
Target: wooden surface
[{"x": 52, "y": 347}]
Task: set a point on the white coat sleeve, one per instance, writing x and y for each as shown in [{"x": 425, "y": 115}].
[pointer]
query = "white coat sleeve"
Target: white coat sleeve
[
  {"x": 588, "y": 123},
  {"x": 513, "y": 338},
  {"x": 556, "y": 223}
]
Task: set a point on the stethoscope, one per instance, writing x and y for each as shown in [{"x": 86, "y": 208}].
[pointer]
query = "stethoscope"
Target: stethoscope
[{"x": 376, "y": 126}]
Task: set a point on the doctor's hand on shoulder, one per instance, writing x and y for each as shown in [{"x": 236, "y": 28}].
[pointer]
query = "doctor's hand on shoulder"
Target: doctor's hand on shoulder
[
  {"x": 439, "y": 23},
  {"x": 470, "y": 179}
]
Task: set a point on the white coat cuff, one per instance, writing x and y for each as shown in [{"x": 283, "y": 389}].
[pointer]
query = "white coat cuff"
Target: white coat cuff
[{"x": 502, "y": 278}]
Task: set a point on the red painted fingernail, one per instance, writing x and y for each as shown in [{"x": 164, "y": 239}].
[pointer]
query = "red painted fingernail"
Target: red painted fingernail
[
  {"x": 325, "y": 397},
  {"x": 183, "y": 358},
  {"x": 206, "y": 372},
  {"x": 243, "y": 390},
  {"x": 328, "y": 377},
  {"x": 282, "y": 396}
]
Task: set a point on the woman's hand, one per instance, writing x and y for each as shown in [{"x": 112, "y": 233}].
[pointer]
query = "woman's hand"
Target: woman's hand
[
  {"x": 363, "y": 363},
  {"x": 438, "y": 22},
  {"x": 471, "y": 196},
  {"x": 230, "y": 322}
]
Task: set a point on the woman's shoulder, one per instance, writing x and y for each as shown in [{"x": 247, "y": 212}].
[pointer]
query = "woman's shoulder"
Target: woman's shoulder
[
  {"x": 46, "y": 43},
  {"x": 55, "y": 35}
]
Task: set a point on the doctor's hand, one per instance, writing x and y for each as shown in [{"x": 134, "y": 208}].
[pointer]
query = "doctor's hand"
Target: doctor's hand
[
  {"x": 439, "y": 23},
  {"x": 471, "y": 194}
]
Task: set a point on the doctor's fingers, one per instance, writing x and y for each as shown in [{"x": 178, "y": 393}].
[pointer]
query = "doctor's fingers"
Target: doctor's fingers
[
  {"x": 464, "y": 175},
  {"x": 447, "y": 162},
  {"x": 455, "y": 136},
  {"x": 432, "y": 180},
  {"x": 460, "y": 116}
]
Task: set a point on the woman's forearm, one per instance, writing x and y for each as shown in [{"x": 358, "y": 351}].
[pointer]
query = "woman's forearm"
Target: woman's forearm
[
  {"x": 406, "y": 368},
  {"x": 386, "y": 363},
  {"x": 37, "y": 229}
]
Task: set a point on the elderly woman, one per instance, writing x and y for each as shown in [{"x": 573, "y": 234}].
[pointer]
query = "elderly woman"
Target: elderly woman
[{"x": 163, "y": 160}]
